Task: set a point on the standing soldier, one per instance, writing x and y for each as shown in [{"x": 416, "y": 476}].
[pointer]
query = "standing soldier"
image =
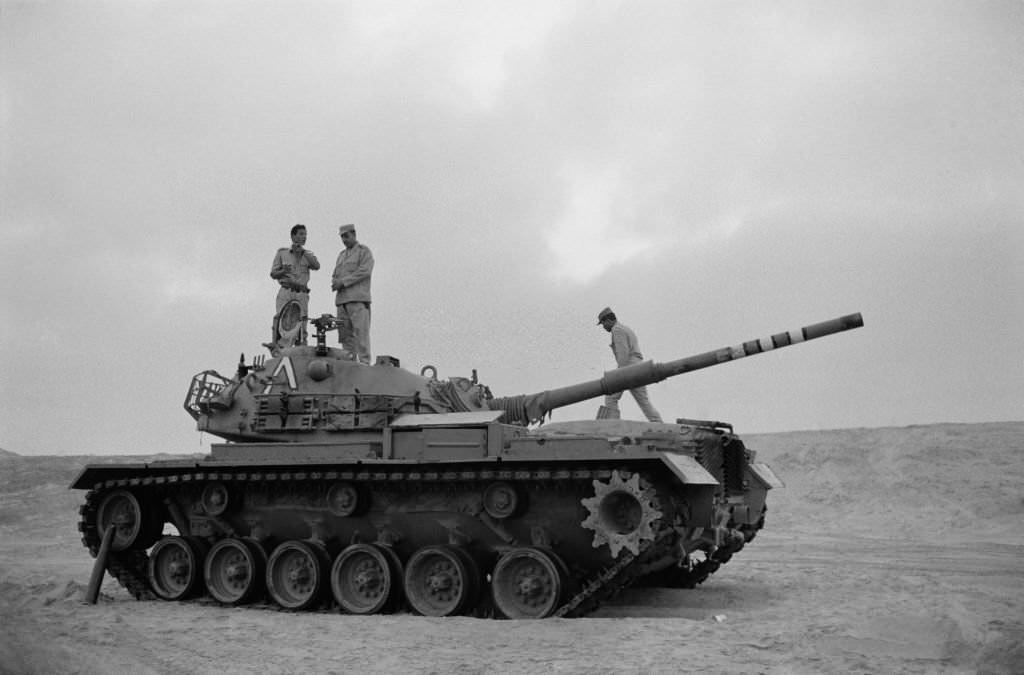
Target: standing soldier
[
  {"x": 291, "y": 270},
  {"x": 351, "y": 281},
  {"x": 626, "y": 349}
]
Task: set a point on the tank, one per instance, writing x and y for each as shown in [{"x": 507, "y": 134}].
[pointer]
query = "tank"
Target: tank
[{"x": 371, "y": 488}]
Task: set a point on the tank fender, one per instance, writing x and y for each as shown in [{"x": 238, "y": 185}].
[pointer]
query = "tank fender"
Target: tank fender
[
  {"x": 764, "y": 473},
  {"x": 687, "y": 469}
]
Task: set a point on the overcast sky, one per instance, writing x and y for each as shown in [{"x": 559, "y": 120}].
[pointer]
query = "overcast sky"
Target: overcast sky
[{"x": 714, "y": 171}]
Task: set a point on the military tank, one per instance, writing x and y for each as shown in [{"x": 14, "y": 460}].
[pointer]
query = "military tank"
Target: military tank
[{"x": 372, "y": 489}]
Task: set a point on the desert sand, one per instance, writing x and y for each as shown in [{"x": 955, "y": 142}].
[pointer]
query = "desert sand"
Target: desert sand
[{"x": 891, "y": 550}]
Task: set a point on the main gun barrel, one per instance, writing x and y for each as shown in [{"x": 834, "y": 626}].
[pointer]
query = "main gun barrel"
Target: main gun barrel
[{"x": 533, "y": 407}]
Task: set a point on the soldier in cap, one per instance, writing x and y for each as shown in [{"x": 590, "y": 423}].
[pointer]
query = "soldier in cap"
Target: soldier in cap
[
  {"x": 626, "y": 349},
  {"x": 351, "y": 283},
  {"x": 290, "y": 269}
]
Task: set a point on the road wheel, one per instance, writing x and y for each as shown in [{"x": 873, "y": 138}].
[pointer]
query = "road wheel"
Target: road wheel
[
  {"x": 175, "y": 567},
  {"x": 528, "y": 583},
  {"x": 235, "y": 570},
  {"x": 441, "y": 581},
  {"x": 296, "y": 574},
  {"x": 366, "y": 579}
]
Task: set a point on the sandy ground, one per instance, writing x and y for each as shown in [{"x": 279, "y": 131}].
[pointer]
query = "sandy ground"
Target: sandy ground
[{"x": 896, "y": 550}]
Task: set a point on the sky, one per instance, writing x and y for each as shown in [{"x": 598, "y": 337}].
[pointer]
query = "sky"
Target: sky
[{"x": 715, "y": 172}]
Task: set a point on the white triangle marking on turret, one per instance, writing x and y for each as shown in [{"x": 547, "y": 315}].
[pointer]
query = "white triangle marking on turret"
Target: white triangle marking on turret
[{"x": 289, "y": 371}]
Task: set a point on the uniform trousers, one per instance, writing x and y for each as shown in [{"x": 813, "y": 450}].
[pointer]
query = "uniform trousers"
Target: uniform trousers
[
  {"x": 354, "y": 329},
  {"x": 611, "y": 401}
]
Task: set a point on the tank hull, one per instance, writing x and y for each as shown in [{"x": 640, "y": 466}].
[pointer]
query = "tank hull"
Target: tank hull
[{"x": 439, "y": 514}]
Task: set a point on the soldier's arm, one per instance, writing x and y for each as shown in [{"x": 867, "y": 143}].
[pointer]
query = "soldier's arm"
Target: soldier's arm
[
  {"x": 314, "y": 264},
  {"x": 620, "y": 347},
  {"x": 277, "y": 270},
  {"x": 362, "y": 271},
  {"x": 336, "y": 275}
]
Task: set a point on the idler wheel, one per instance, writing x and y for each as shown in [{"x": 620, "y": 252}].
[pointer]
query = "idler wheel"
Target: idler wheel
[
  {"x": 528, "y": 583},
  {"x": 441, "y": 581},
  {"x": 175, "y": 567},
  {"x": 215, "y": 498},
  {"x": 365, "y": 579},
  {"x": 296, "y": 574},
  {"x": 622, "y": 513},
  {"x": 132, "y": 527},
  {"x": 235, "y": 570}
]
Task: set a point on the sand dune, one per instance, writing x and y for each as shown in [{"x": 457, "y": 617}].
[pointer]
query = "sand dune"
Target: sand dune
[{"x": 895, "y": 550}]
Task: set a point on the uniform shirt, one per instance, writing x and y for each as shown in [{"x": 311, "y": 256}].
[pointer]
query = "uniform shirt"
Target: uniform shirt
[
  {"x": 352, "y": 272},
  {"x": 625, "y": 346},
  {"x": 301, "y": 265}
]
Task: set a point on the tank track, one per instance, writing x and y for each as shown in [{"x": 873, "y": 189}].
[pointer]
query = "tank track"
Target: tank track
[
  {"x": 130, "y": 567},
  {"x": 611, "y": 581}
]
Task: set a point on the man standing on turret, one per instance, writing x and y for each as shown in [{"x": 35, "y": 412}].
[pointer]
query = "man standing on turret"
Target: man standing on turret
[
  {"x": 351, "y": 282},
  {"x": 291, "y": 270},
  {"x": 626, "y": 349}
]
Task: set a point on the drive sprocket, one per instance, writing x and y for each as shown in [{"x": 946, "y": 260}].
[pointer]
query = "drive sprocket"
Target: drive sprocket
[{"x": 623, "y": 512}]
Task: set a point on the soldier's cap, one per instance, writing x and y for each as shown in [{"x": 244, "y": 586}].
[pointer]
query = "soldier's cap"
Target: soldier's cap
[
  {"x": 346, "y": 228},
  {"x": 603, "y": 314}
]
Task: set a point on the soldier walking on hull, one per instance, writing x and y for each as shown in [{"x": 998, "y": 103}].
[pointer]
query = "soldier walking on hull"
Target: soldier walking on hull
[
  {"x": 291, "y": 270},
  {"x": 626, "y": 349},
  {"x": 351, "y": 282}
]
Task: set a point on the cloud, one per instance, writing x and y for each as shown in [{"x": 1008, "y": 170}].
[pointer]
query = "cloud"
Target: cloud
[
  {"x": 593, "y": 234},
  {"x": 607, "y": 222},
  {"x": 468, "y": 47}
]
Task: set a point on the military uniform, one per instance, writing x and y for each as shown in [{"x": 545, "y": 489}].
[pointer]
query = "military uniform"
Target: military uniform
[
  {"x": 626, "y": 349},
  {"x": 351, "y": 280},
  {"x": 295, "y": 281}
]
